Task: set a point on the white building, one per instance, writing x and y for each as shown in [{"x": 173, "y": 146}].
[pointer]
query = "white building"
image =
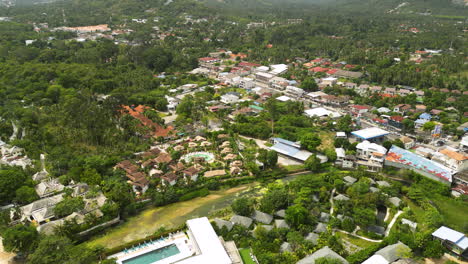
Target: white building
[
  {"x": 321, "y": 112},
  {"x": 208, "y": 246},
  {"x": 246, "y": 83},
  {"x": 294, "y": 91},
  {"x": 369, "y": 151},
  {"x": 263, "y": 77},
  {"x": 229, "y": 99},
  {"x": 283, "y": 98},
  {"x": 330, "y": 81},
  {"x": 278, "y": 69}
]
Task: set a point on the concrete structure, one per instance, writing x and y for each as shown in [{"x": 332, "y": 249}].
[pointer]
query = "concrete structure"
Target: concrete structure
[
  {"x": 321, "y": 112},
  {"x": 400, "y": 158}
]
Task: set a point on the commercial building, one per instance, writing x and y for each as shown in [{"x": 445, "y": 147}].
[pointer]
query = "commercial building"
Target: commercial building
[
  {"x": 401, "y": 158},
  {"x": 373, "y": 134},
  {"x": 453, "y": 240},
  {"x": 290, "y": 149}
]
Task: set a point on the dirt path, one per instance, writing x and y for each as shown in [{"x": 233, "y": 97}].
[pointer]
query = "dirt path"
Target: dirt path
[{"x": 169, "y": 216}]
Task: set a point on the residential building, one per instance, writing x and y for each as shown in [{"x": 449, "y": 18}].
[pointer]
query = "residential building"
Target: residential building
[
  {"x": 453, "y": 159},
  {"x": 324, "y": 252},
  {"x": 407, "y": 142},
  {"x": 294, "y": 91},
  {"x": 359, "y": 109},
  {"x": 389, "y": 254},
  {"x": 263, "y": 77},
  {"x": 455, "y": 241},
  {"x": 396, "y": 121},
  {"x": 229, "y": 99},
  {"x": 370, "y": 155},
  {"x": 402, "y": 108},
  {"x": 278, "y": 83}
]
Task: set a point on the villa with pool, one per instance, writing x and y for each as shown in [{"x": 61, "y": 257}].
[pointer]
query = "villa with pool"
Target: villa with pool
[{"x": 200, "y": 245}]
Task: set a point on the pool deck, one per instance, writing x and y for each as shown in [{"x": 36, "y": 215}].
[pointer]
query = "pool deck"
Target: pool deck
[{"x": 179, "y": 239}]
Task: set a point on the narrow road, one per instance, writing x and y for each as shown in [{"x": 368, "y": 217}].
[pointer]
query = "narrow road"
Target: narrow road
[
  {"x": 331, "y": 201},
  {"x": 392, "y": 222}
]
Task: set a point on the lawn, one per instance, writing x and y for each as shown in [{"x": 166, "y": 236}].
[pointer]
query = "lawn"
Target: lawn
[
  {"x": 245, "y": 255},
  {"x": 355, "y": 240},
  {"x": 455, "y": 212},
  {"x": 293, "y": 168},
  {"x": 327, "y": 140},
  {"x": 170, "y": 216}
]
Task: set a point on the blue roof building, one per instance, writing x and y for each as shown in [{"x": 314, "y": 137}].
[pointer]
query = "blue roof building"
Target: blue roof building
[
  {"x": 290, "y": 149},
  {"x": 401, "y": 158},
  {"x": 425, "y": 116}
]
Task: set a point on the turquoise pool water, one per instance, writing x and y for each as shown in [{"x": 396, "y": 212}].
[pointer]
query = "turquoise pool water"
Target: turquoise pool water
[{"x": 155, "y": 255}]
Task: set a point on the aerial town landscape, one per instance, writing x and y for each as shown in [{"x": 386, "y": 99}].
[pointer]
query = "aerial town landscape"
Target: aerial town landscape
[{"x": 233, "y": 132}]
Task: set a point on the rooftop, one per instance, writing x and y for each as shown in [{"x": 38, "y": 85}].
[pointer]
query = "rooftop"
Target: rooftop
[{"x": 369, "y": 133}]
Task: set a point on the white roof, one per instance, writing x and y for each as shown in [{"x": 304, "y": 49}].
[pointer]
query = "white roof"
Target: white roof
[
  {"x": 212, "y": 251},
  {"x": 278, "y": 68},
  {"x": 320, "y": 111},
  {"x": 263, "y": 68},
  {"x": 264, "y": 74},
  {"x": 367, "y": 146},
  {"x": 340, "y": 152},
  {"x": 329, "y": 79},
  {"x": 371, "y": 132},
  {"x": 341, "y": 134},
  {"x": 376, "y": 259},
  {"x": 451, "y": 235},
  {"x": 283, "y": 98},
  {"x": 383, "y": 110},
  {"x": 316, "y": 94}
]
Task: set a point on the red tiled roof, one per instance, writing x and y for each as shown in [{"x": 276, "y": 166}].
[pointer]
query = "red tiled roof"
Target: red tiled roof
[
  {"x": 397, "y": 118},
  {"x": 332, "y": 71},
  {"x": 319, "y": 69},
  {"x": 361, "y": 107},
  {"x": 137, "y": 112}
]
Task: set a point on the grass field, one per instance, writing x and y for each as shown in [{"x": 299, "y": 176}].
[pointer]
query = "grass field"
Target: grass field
[
  {"x": 355, "y": 240},
  {"x": 245, "y": 255},
  {"x": 455, "y": 212},
  {"x": 327, "y": 140},
  {"x": 169, "y": 216},
  {"x": 292, "y": 168}
]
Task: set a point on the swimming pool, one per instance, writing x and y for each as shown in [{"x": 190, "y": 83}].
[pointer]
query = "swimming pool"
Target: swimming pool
[
  {"x": 155, "y": 255},
  {"x": 209, "y": 157}
]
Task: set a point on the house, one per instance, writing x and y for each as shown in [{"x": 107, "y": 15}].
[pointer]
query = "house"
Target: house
[
  {"x": 261, "y": 217},
  {"x": 324, "y": 252},
  {"x": 396, "y": 121},
  {"x": 169, "y": 178},
  {"x": 241, "y": 220},
  {"x": 453, "y": 240},
  {"x": 403, "y": 92},
  {"x": 359, "y": 109},
  {"x": 40, "y": 210},
  {"x": 362, "y": 89},
  {"x": 48, "y": 188},
  {"x": 229, "y": 99},
  {"x": 163, "y": 158},
  {"x": 389, "y": 254},
  {"x": 373, "y": 134},
  {"x": 402, "y": 108},
  {"x": 329, "y": 81},
  {"x": 407, "y": 142},
  {"x": 280, "y": 223},
  {"x": 389, "y": 90},
  {"x": 453, "y": 159},
  {"x": 191, "y": 173},
  {"x": 220, "y": 223},
  {"x": 420, "y": 108}
]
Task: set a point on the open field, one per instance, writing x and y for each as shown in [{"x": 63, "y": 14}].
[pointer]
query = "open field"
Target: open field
[
  {"x": 169, "y": 216},
  {"x": 355, "y": 240}
]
